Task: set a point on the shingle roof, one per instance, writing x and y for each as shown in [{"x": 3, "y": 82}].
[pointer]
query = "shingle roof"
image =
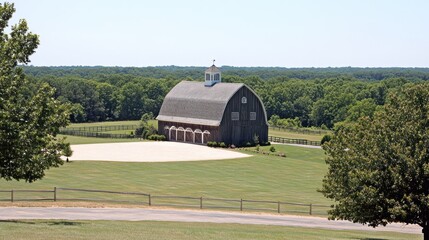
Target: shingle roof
[
  {"x": 193, "y": 103},
  {"x": 213, "y": 68}
]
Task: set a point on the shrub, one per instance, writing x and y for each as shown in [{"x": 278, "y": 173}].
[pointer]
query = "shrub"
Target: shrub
[
  {"x": 213, "y": 144},
  {"x": 325, "y": 138},
  {"x": 265, "y": 144},
  {"x": 257, "y": 148},
  {"x": 222, "y": 145},
  {"x": 272, "y": 149},
  {"x": 255, "y": 139},
  {"x": 156, "y": 137},
  {"x": 248, "y": 144}
]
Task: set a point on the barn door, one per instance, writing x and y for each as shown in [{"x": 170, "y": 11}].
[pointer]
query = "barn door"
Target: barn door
[{"x": 236, "y": 135}]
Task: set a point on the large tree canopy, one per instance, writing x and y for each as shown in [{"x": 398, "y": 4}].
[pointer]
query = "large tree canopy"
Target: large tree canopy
[
  {"x": 29, "y": 120},
  {"x": 379, "y": 168}
]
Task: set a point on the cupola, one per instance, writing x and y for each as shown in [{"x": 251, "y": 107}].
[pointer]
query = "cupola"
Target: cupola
[{"x": 212, "y": 76}]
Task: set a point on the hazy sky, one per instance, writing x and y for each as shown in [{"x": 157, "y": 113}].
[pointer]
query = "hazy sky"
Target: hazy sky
[{"x": 300, "y": 33}]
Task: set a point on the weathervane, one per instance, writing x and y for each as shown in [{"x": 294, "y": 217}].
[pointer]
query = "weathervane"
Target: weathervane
[{"x": 214, "y": 61}]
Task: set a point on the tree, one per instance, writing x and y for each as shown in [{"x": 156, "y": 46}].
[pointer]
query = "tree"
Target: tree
[
  {"x": 29, "y": 123},
  {"x": 67, "y": 151},
  {"x": 379, "y": 168},
  {"x": 363, "y": 108},
  {"x": 131, "y": 101},
  {"x": 145, "y": 128}
]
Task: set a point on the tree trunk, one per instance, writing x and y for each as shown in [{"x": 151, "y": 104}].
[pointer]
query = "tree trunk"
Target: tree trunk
[{"x": 426, "y": 232}]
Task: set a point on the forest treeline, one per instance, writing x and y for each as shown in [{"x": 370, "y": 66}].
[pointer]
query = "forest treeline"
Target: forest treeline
[{"x": 317, "y": 97}]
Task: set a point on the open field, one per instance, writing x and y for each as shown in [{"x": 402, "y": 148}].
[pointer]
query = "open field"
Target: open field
[
  {"x": 89, "y": 140},
  {"x": 292, "y": 179},
  {"x": 61, "y": 229},
  {"x": 290, "y": 134},
  {"x": 113, "y": 123},
  {"x": 272, "y": 132}
]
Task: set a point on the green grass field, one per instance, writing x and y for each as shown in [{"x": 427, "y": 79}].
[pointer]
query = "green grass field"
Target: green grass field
[
  {"x": 295, "y": 178},
  {"x": 289, "y": 134},
  {"x": 272, "y": 132},
  {"x": 91, "y": 140},
  {"x": 60, "y": 229},
  {"x": 292, "y": 179},
  {"x": 115, "y": 123}
]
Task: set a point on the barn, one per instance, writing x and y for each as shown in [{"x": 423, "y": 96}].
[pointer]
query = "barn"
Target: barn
[{"x": 199, "y": 112}]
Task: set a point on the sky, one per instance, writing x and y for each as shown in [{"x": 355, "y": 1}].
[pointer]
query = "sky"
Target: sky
[{"x": 282, "y": 33}]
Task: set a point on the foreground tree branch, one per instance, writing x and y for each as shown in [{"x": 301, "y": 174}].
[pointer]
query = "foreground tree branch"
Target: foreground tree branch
[
  {"x": 379, "y": 168},
  {"x": 29, "y": 123}
]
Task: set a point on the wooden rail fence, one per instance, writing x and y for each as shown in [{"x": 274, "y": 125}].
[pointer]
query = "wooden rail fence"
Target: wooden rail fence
[
  {"x": 167, "y": 200},
  {"x": 293, "y": 141},
  {"x": 95, "y": 134},
  {"x": 301, "y": 130},
  {"x": 100, "y": 132},
  {"x": 102, "y": 128}
]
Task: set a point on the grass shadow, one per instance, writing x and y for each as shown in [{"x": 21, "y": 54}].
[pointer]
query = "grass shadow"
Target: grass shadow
[
  {"x": 64, "y": 223},
  {"x": 51, "y": 223},
  {"x": 371, "y": 238},
  {"x": 17, "y": 221}
]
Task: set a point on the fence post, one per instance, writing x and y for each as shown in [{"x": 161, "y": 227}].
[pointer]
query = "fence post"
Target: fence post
[
  {"x": 55, "y": 194},
  {"x": 11, "y": 195},
  {"x": 150, "y": 200},
  {"x": 241, "y": 204},
  {"x": 311, "y": 209},
  {"x": 201, "y": 202},
  {"x": 278, "y": 207}
]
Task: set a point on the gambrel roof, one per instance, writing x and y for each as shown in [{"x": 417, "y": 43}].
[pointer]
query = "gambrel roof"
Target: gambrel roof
[{"x": 194, "y": 103}]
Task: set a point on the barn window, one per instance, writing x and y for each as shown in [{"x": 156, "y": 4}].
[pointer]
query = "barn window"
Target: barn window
[
  {"x": 252, "y": 116},
  {"x": 235, "y": 116},
  {"x": 243, "y": 100},
  {"x": 217, "y": 77}
]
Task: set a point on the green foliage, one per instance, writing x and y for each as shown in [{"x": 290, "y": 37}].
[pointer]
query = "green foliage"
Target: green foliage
[
  {"x": 285, "y": 122},
  {"x": 325, "y": 138},
  {"x": 145, "y": 129},
  {"x": 363, "y": 108},
  {"x": 272, "y": 149},
  {"x": 379, "y": 167},
  {"x": 318, "y": 97},
  {"x": 156, "y": 137},
  {"x": 274, "y": 120},
  {"x": 213, "y": 144},
  {"x": 67, "y": 151},
  {"x": 255, "y": 139},
  {"x": 222, "y": 145},
  {"x": 29, "y": 121}
]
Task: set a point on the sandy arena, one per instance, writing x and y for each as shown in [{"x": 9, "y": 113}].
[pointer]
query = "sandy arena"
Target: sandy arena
[{"x": 150, "y": 152}]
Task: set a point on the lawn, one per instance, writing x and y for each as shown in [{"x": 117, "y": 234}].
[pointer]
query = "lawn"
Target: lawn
[
  {"x": 115, "y": 123},
  {"x": 295, "y": 178},
  {"x": 290, "y": 134},
  {"x": 91, "y": 140},
  {"x": 60, "y": 229},
  {"x": 271, "y": 132}
]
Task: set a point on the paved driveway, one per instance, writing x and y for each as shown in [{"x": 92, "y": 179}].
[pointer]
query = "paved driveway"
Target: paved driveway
[
  {"x": 141, "y": 214},
  {"x": 150, "y": 152}
]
